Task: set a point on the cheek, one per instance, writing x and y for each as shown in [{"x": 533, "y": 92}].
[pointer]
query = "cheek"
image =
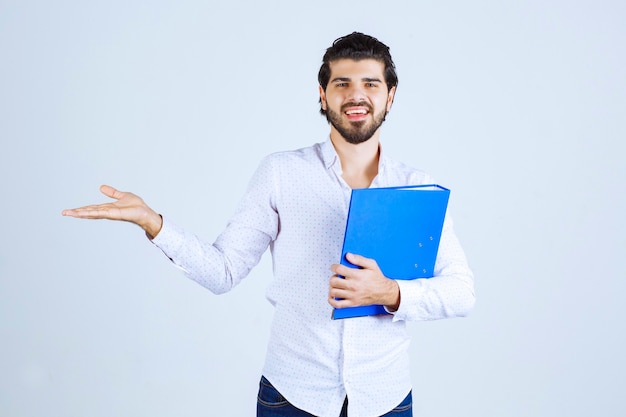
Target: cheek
[{"x": 334, "y": 103}]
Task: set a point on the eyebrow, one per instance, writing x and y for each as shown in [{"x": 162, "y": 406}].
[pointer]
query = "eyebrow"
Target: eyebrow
[{"x": 347, "y": 79}]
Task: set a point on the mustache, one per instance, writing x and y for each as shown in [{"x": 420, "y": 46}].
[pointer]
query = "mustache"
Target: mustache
[{"x": 355, "y": 104}]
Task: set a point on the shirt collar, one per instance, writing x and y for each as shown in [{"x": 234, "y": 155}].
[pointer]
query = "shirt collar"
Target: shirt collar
[
  {"x": 330, "y": 157},
  {"x": 329, "y": 154}
]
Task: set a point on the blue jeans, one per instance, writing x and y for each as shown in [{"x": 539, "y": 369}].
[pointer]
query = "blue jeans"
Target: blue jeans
[{"x": 271, "y": 403}]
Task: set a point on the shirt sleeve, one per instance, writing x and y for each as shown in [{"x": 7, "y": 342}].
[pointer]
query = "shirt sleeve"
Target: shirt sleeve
[
  {"x": 449, "y": 293},
  {"x": 221, "y": 265}
]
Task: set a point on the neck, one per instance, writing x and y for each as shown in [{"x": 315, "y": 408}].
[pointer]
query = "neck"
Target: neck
[{"x": 359, "y": 163}]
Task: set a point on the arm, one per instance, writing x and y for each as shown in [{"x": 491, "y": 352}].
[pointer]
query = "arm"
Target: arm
[
  {"x": 127, "y": 207},
  {"x": 221, "y": 265},
  {"x": 449, "y": 293},
  {"x": 218, "y": 266}
]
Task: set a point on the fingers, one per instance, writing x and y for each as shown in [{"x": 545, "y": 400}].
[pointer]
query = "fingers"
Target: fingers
[
  {"x": 97, "y": 211},
  {"x": 336, "y": 282},
  {"x": 339, "y": 294},
  {"x": 342, "y": 272},
  {"x": 89, "y": 212},
  {"x": 361, "y": 261},
  {"x": 357, "y": 260},
  {"x": 111, "y": 192},
  {"x": 339, "y": 302}
]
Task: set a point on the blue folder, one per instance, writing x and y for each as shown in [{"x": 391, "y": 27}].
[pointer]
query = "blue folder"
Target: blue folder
[{"x": 400, "y": 228}]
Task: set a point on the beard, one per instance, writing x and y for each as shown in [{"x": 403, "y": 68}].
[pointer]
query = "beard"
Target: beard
[{"x": 355, "y": 132}]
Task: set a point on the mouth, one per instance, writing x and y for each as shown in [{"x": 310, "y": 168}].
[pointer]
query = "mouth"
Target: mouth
[{"x": 356, "y": 113}]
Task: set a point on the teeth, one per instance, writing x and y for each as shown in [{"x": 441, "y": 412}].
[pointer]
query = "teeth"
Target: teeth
[{"x": 361, "y": 111}]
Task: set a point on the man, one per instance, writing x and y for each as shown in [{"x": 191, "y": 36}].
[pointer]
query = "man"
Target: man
[{"x": 297, "y": 204}]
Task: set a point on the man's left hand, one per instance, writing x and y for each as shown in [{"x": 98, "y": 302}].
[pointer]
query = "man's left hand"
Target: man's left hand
[{"x": 363, "y": 286}]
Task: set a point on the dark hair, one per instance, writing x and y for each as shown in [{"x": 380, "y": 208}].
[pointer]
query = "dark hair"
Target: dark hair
[{"x": 357, "y": 46}]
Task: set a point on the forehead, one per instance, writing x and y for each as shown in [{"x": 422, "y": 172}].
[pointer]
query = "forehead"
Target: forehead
[{"x": 363, "y": 68}]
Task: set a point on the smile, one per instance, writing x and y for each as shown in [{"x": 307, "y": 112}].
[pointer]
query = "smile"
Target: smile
[{"x": 356, "y": 111}]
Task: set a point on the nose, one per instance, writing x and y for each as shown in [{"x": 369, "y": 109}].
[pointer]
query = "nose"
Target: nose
[{"x": 356, "y": 93}]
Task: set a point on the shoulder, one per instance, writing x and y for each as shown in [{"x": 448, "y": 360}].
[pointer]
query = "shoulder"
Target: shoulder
[{"x": 294, "y": 157}]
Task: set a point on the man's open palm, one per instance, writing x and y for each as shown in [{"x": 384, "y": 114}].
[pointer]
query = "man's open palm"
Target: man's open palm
[{"x": 127, "y": 207}]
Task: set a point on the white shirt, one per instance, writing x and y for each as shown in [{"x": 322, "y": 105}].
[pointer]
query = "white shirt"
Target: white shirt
[{"x": 297, "y": 203}]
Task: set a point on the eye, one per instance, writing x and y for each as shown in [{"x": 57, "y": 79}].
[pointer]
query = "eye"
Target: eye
[{"x": 371, "y": 85}]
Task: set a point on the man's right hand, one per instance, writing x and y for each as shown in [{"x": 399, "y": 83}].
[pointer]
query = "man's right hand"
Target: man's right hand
[{"x": 128, "y": 207}]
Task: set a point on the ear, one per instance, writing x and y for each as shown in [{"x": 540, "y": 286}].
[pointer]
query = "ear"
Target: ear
[
  {"x": 390, "y": 97},
  {"x": 322, "y": 98}
]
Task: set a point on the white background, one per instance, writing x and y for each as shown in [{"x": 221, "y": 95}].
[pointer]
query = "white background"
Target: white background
[{"x": 518, "y": 107}]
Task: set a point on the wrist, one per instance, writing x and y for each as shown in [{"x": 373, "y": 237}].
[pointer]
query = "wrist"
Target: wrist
[
  {"x": 153, "y": 224},
  {"x": 393, "y": 296}
]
